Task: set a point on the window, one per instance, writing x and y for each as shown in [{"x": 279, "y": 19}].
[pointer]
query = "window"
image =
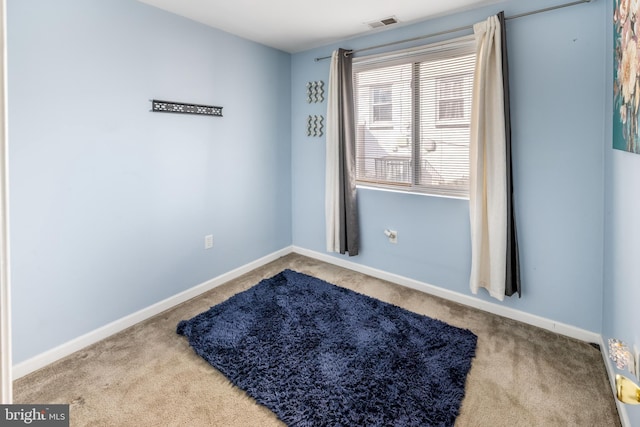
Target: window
[
  {"x": 454, "y": 104},
  {"x": 381, "y": 104},
  {"x": 413, "y": 110}
]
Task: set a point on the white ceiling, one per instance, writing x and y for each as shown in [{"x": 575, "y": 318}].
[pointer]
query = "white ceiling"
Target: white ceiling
[{"x": 298, "y": 25}]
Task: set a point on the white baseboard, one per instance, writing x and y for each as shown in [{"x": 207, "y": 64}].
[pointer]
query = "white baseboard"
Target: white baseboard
[
  {"x": 63, "y": 350},
  {"x": 96, "y": 335},
  {"x": 92, "y": 337},
  {"x": 531, "y": 319},
  {"x": 611, "y": 373}
]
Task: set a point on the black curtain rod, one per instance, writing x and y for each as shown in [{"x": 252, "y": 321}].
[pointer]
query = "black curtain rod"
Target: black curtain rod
[{"x": 466, "y": 27}]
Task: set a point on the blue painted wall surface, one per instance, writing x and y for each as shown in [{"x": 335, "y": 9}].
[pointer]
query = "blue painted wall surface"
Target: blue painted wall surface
[
  {"x": 622, "y": 232},
  {"x": 558, "y": 84},
  {"x": 110, "y": 203}
]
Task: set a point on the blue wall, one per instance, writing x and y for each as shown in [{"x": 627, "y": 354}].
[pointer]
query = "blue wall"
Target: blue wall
[
  {"x": 622, "y": 232},
  {"x": 558, "y": 87},
  {"x": 110, "y": 203}
]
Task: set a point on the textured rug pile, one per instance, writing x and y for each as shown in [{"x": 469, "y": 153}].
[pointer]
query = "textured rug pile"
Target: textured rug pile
[{"x": 320, "y": 355}]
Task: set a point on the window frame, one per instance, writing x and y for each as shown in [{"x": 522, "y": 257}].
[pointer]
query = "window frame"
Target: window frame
[{"x": 462, "y": 47}]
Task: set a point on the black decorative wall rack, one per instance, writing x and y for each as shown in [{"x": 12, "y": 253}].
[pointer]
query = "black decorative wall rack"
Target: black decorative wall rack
[{"x": 178, "y": 107}]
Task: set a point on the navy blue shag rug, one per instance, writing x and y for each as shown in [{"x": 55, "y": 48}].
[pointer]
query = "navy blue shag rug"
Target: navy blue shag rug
[{"x": 320, "y": 355}]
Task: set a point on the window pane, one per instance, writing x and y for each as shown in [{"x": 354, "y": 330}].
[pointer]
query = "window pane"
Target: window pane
[
  {"x": 382, "y": 94},
  {"x": 383, "y": 113},
  {"x": 384, "y": 120},
  {"x": 450, "y": 87},
  {"x": 451, "y": 97},
  {"x": 445, "y": 113},
  {"x": 450, "y": 109}
]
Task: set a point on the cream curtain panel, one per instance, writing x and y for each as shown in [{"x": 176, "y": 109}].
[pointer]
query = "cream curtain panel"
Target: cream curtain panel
[{"x": 494, "y": 251}]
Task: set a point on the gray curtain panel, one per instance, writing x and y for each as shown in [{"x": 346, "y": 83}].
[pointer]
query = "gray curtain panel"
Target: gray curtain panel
[
  {"x": 512, "y": 279},
  {"x": 349, "y": 228}
]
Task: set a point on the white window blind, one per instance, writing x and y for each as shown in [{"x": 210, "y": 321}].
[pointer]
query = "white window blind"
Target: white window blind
[{"x": 413, "y": 111}]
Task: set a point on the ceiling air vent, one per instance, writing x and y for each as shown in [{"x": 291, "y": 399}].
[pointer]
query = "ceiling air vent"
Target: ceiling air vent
[{"x": 383, "y": 22}]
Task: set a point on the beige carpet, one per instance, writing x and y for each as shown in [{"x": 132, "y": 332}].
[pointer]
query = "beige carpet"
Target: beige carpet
[{"x": 149, "y": 376}]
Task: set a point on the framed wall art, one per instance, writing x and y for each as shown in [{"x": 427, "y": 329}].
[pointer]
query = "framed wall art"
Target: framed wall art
[{"x": 626, "y": 73}]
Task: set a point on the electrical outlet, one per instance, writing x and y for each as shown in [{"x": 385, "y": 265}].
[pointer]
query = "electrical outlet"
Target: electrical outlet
[
  {"x": 392, "y": 235},
  {"x": 208, "y": 241}
]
